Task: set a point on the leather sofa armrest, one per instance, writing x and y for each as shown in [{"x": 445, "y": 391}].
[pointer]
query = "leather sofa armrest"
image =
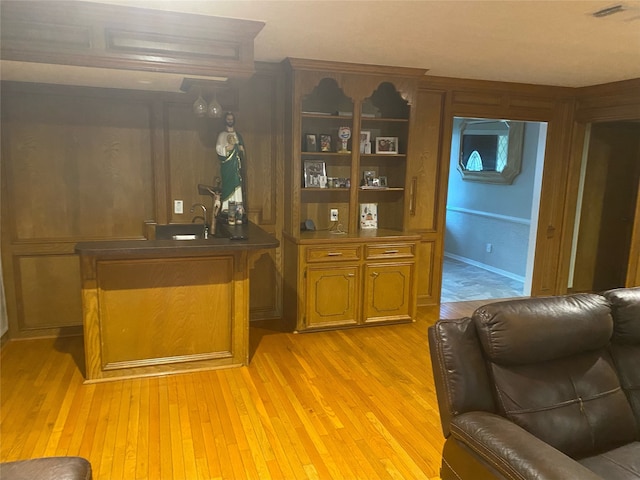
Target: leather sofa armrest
[{"x": 513, "y": 451}]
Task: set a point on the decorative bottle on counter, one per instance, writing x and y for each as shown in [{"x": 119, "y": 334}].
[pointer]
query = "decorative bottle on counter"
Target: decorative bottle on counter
[
  {"x": 232, "y": 212},
  {"x": 239, "y": 213}
]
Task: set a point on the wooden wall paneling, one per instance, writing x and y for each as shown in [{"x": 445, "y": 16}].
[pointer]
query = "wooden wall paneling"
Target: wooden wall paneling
[
  {"x": 260, "y": 119},
  {"x": 262, "y": 110},
  {"x": 77, "y": 167},
  {"x": 160, "y": 163},
  {"x": 293, "y": 287},
  {"x": 423, "y": 166},
  {"x": 424, "y": 189},
  {"x": 555, "y": 214},
  {"x": 191, "y": 158},
  {"x": 578, "y": 136},
  {"x": 633, "y": 270},
  {"x": 48, "y": 291},
  {"x": 428, "y": 274},
  {"x": 609, "y": 102}
]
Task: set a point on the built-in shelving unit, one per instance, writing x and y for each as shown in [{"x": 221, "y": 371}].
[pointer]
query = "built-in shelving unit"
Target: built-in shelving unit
[{"x": 341, "y": 273}]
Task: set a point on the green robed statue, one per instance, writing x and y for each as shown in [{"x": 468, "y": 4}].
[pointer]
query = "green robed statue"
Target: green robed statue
[{"x": 230, "y": 150}]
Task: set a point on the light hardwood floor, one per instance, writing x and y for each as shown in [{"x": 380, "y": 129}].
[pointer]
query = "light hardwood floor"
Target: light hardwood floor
[{"x": 348, "y": 404}]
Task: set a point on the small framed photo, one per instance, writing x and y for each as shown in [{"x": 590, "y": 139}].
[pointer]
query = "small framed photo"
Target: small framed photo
[
  {"x": 365, "y": 141},
  {"x": 387, "y": 145},
  {"x": 368, "y": 176},
  {"x": 325, "y": 142},
  {"x": 315, "y": 174},
  {"x": 310, "y": 142},
  {"x": 383, "y": 181}
]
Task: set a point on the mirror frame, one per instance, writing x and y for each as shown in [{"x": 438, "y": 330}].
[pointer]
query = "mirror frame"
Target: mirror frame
[{"x": 514, "y": 158}]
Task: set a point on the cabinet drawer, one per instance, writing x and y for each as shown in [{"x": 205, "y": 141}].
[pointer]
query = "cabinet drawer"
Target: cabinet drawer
[
  {"x": 333, "y": 253},
  {"x": 391, "y": 250}
]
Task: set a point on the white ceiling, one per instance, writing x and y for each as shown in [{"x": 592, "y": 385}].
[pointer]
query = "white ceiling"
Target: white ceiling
[{"x": 541, "y": 42}]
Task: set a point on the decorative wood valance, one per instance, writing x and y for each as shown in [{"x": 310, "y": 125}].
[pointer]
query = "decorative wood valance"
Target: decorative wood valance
[{"x": 128, "y": 38}]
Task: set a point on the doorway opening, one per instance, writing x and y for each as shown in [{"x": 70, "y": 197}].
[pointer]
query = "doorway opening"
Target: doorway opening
[
  {"x": 491, "y": 222},
  {"x": 607, "y": 197}
]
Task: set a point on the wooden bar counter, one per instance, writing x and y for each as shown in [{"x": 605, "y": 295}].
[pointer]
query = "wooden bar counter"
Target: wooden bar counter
[{"x": 153, "y": 307}]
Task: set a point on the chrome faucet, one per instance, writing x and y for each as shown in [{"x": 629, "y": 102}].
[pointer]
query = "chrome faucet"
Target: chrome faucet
[{"x": 204, "y": 217}]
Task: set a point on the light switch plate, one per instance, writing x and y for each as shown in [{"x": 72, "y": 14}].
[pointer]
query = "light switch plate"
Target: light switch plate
[{"x": 178, "y": 207}]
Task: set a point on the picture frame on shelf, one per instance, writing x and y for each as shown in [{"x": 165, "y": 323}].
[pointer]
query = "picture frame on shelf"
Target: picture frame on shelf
[
  {"x": 310, "y": 142},
  {"x": 368, "y": 176},
  {"x": 315, "y": 174},
  {"x": 365, "y": 141},
  {"x": 387, "y": 145},
  {"x": 338, "y": 182},
  {"x": 382, "y": 179},
  {"x": 325, "y": 142},
  {"x": 368, "y": 216}
]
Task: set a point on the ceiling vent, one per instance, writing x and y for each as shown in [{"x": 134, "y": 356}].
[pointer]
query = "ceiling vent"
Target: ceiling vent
[{"x": 605, "y": 12}]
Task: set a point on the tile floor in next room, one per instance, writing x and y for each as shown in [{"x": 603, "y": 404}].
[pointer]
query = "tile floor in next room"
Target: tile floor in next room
[{"x": 463, "y": 282}]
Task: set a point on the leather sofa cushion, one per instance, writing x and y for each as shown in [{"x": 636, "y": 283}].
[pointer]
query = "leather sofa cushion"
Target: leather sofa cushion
[
  {"x": 47, "y": 468},
  {"x": 625, "y": 346},
  {"x": 520, "y": 332},
  {"x": 553, "y": 373},
  {"x": 460, "y": 372},
  {"x": 575, "y": 404},
  {"x": 625, "y": 306},
  {"x": 622, "y": 463}
]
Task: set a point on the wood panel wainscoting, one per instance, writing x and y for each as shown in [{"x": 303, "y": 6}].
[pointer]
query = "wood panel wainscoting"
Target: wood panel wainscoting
[{"x": 345, "y": 404}]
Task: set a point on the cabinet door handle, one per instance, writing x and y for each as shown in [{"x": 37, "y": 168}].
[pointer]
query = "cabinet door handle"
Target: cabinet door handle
[
  {"x": 350, "y": 275},
  {"x": 391, "y": 252},
  {"x": 334, "y": 254},
  {"x": 374, "y": 274},
  {"x": 412, "y": 196}
]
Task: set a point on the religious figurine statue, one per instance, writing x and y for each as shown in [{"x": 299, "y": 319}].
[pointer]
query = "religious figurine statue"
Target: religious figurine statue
[{"x": 230, "y": 150}]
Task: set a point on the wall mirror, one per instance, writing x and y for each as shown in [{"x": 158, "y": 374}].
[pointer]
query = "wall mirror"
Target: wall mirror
[{"x": 490, "y": 150}]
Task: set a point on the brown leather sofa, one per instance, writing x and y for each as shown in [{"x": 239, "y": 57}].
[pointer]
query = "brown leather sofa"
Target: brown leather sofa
[
  {"x": 47, "y": 468},
  {"x": 542, "y": 388}
]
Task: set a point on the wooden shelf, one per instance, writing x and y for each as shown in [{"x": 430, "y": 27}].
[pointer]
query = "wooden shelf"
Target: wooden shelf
[{"x": 383, "y": 119}]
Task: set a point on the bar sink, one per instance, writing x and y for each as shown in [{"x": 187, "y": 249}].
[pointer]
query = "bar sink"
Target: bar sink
[{"x": 180, "y": 231}]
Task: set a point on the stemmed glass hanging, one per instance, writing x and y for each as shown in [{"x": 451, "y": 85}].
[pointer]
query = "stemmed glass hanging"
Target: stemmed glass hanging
[
  {"x": 215, "y": 109},
  {"x": 200, "y": 106}
]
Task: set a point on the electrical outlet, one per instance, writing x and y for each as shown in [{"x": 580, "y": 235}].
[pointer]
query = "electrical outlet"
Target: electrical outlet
[
  {"x": 334, "y": 215},
  {"x": 178, "y": 207},
  {"x": 489, "y": 248}
]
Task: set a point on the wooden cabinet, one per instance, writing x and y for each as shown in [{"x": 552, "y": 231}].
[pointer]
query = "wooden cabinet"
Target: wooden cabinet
[
  {"x": 332, "y": 296},
  {"x": 348, "y": 135},
  {"x": 352, "y": 282},
  {"x": 389, "y": 282}
]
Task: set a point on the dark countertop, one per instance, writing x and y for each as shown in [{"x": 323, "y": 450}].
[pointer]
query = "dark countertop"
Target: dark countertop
[
  {"x": 256, "y": 239},
  {"x": 372, "y": 235}
]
